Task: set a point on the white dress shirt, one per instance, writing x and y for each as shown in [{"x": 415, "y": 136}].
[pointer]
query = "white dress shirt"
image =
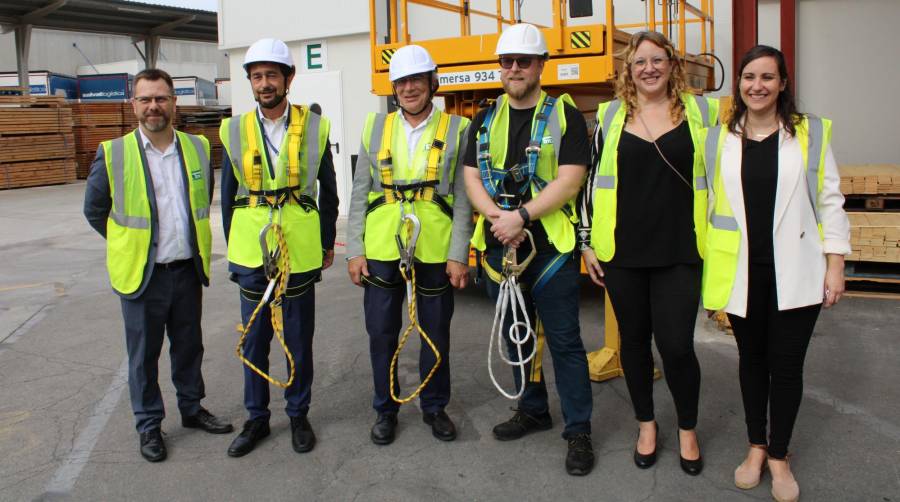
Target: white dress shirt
[
  {"x": 274, "y": 132},
  {"x": 165, "y": 168},
  {"x": 413, "y": 135}
]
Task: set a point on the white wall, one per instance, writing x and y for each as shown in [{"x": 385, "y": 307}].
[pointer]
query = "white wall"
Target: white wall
[{"x": 242, "y": 22}]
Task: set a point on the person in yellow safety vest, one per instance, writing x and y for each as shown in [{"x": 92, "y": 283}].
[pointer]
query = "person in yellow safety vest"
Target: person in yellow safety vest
[
  {"x": 275, "y": 156},
  {"x": 775, "y": 250},
  {"x": 419, "y": 148},
  {"x": 643, "y": 215},
  {"x": 526, "y": 161},
  {"x": 148, "y": 194}
]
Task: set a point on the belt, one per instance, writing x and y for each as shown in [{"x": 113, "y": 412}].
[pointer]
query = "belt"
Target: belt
[{"x": 172, "y": 265}]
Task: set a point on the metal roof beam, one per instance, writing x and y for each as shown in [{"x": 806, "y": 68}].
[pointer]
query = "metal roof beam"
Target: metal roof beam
[
  {"x": 36, "y": 14},
  {"x": 165, "y": 28}
]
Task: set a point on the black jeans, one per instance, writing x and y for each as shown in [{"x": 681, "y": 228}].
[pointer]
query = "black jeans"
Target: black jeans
[
  {"x": 772, "y": 345},
  {"x": 660, "y": 301}
]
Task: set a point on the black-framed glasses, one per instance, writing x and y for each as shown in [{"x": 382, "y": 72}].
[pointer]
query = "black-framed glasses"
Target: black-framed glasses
[
  {"x": 160, "y": 100},
  {"x": 524, "y": 62}
]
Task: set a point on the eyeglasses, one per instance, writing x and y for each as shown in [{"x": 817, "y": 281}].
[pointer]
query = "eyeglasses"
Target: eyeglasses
[
  {"x": 418, "y": 78},
  {"x": 656, "y": 62},
  {"x": 524, "y": 62},
  {"x": 160, "y": 100}
]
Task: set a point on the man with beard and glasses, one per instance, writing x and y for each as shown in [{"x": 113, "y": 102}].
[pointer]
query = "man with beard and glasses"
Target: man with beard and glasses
[
  {"x": 525, "y": 164},
  {"x": 148, "y": 195},
  {"x": 274, "y": 157}
]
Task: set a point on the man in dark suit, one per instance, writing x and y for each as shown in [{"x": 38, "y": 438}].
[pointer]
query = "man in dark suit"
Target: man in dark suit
[{"x": 148, "y": 195}]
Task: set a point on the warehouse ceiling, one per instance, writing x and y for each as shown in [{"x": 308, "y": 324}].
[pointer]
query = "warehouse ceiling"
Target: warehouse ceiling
[{"x": 117, "y": 17}]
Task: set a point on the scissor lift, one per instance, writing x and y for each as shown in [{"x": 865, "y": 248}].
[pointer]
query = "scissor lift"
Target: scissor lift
[{"x": 583, "y": 62}]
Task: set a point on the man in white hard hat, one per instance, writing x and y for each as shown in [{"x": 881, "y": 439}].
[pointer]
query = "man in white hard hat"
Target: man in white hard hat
[
  {"x": 274, "y": 155},
  {"x": 410, "y": 161},
  {"x": 525, "y": 164}
]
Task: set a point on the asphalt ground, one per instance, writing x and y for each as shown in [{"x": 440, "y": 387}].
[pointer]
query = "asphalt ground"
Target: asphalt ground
[{"x": 67, "y": 433}]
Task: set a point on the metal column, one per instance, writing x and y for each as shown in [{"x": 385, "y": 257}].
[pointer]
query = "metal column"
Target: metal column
[
  {"x": 23, "y": 44},
  {"x": 151, "y": 51},
  {"x": 745, "y": 23}
]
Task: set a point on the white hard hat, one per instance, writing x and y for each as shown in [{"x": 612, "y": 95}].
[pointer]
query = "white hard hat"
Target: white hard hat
[
  {"x": 522, "y": 38},
  {"x": 410, "y": 60},
  {"x": 268, "y": 50}
]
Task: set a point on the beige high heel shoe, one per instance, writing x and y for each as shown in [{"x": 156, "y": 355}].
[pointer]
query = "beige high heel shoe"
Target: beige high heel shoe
[
  {"x": 745, "y": 476},
  {"x": 785, "y": 490}
]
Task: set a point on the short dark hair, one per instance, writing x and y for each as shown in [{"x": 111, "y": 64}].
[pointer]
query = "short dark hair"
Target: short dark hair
[
  {"x": 153, "y": 74},
  {"x": 286, "y": 70}
]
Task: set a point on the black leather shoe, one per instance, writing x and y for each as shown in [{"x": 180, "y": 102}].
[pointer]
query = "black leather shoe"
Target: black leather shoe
[
  {"x": 692, "y": 467},
  {"x": 580, "y": 458},
  {"x": 384, "y": 429},
  {"x": 253, "y": 432},
  {"x": 206, "y": 421},
  {"x": 646, "y": 461},
  {"x": 441, "y": 425},
  {"x": 153, "y": 448},
  {"x": 303, "y": 439},
  {"x": 520, "y": 424}
]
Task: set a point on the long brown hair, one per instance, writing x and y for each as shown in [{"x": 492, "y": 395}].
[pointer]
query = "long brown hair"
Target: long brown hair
[
  {"x": 625, "y": 88},
  {"x": 786, "y": 107}
]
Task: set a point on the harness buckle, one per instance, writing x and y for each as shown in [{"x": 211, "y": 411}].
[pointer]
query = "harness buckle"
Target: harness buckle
[{"x": 533, "y": 149}]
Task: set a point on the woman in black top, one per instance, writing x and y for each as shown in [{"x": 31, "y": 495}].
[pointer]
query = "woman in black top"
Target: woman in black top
[{"x": 641, "y": 205}]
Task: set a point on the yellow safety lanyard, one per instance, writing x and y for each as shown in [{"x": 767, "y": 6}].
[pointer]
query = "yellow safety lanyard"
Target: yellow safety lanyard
[
  {"x": 276, "y": 264},
  {"x": 408, "y": 230}
]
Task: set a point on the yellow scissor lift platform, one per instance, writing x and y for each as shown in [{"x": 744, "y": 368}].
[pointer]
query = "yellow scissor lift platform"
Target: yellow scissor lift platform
[{"x": 583, "y": 62}]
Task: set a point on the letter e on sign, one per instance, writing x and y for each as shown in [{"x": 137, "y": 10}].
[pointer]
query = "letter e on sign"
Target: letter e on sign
[{"x": 315, "y": 56}]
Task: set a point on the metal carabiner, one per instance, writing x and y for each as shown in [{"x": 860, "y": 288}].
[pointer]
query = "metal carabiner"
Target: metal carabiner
[
  {"x": 511, "y": 265},
  {"x": 407, "y": 252}
]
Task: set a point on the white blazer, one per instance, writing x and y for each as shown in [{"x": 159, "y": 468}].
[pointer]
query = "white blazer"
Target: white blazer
[{"x": 799, "y": 252}]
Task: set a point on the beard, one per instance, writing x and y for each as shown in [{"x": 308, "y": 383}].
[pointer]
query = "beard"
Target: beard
[
  {"x": 520, "y": 92},
  {"x": 271, "y": 103},
  {"x": 155, "y": 126}
]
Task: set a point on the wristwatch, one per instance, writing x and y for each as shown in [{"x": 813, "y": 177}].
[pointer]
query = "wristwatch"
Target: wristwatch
[{"x": 525, "y": 216}]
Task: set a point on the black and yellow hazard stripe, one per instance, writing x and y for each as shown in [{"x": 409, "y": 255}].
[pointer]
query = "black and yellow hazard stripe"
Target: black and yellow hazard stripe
[
  {"x": 386, "y": 55},
  {"x": 580, "y": 39}
]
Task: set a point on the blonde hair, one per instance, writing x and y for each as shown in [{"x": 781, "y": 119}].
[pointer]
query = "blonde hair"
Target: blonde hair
[{"x": 625, "y": 88}]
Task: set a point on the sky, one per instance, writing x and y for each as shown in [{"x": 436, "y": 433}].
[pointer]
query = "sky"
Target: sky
[{"x": 210, "y": 5}]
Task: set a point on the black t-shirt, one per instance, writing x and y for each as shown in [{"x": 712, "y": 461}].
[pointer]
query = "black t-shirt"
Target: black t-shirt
[
  {"x": 574, "y": 149},
  {"x": 655, "y": 207},
  {"x": 759, "y": 179}
]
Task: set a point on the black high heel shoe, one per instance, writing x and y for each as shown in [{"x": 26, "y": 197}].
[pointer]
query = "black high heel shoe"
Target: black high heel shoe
[
  {"x": 646, "y": 461},
  {"x": 692, "y": 467}
]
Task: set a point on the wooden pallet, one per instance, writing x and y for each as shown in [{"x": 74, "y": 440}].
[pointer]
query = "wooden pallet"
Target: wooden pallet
[
  {"x": 34, "y": 120},
  {"x": 37, "y": 147},
  {"x": 874, "y": 237}
]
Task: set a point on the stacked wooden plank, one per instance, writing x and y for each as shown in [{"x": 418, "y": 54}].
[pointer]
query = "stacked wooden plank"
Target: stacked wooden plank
[
  {"x": 875, "y": 237},
  {"x": 36, "y": 142},
  {"x": 95, "y": 123},
  {"x": 870, "y": 179},
  {"x": 204, "y": 120}
]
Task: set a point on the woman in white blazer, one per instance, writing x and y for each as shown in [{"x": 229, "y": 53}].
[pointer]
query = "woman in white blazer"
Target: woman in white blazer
[{"x": 776, "y": 242}]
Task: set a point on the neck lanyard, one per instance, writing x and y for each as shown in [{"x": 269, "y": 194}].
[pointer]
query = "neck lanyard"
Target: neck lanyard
[{"x": 265, "y": 136}]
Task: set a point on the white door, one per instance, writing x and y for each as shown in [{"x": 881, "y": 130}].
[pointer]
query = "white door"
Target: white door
[{"x": 324, "y": 88}]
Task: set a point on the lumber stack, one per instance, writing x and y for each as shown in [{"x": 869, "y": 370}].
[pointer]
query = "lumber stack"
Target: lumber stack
[
  {"x": 37, "y": 146},
  {"x": 204, "y": 120},
  {"x": 870, "y": 179},
  {"x": 875, "y": 237},
  {"x": 95, "y": 123}
]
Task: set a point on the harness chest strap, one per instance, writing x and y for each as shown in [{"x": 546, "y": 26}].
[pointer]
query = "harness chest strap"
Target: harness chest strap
[
  {"x": 385, "y": 160},
  {"x": 253, "y": 158}
]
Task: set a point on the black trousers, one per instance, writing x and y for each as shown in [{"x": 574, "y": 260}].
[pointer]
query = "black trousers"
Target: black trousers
[
  {"x": 660, "y": 303},
  {"x": 170, "y": 305},
  {"x": 772, "y": 345},
  {"x": 385, "y": 310}
]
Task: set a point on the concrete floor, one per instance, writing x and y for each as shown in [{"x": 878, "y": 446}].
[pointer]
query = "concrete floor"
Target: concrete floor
[{"x": 66, "y": 429}]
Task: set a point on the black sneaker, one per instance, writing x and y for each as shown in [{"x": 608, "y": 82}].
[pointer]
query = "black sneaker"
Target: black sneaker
[
  {"x": 522, "y": 423},
  {"x": 580, "y": 458}
]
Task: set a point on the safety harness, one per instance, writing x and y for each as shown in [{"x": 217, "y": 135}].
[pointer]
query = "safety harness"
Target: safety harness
[
  {"x": 277, "y": 262},
  {"x": 524, "y": 176},
  {"x": 408, "y": 230},
  {"x": 520, "y": 331}
]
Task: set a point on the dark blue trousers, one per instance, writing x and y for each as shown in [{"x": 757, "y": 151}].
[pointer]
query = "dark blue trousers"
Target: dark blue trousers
[
  {"x": 385, "y": 311},
  {"x": 299, "y": 310},
  {"x": 170, "y": 305},
  {"x": 556, "y": 304}
]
